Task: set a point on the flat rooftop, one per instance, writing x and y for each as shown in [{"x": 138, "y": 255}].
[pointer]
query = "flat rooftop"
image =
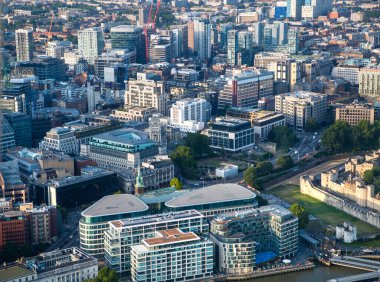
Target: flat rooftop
[
  {"x": 115, "y": 204},
  {"x": 14, "y": 272},
  {"x": 125, "y": 136},
  {"x": 169, "y": 237},
  {"x": 226, "y": 192}
]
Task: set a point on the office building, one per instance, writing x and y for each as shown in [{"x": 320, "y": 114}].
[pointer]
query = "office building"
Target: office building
[
  {"x": 349, "y": 73},
  {"x": 94, "y": 220},
  {"x": 160, "y": 48},
  {"x": 45, "y": 68},
  {"x": 7, "y": 138},
  {"x": 90, "y": 43},
  {"x": 144, "y": 92},
  {"x": 231, "y": 134},
  {"x": 214, "y": 199},
  {"x": 294, "y": 9},
  {"x": 263, "y": 59},
  {"x": 22, "y": 128},
  {"x": 354, "y": 113},
  {"x": 126, "y": 37},
  {"x": 314, "y": 8},
  {"x": 60, "y": 265},
  {"x": 131, "y": 231},
  {"x": 243, "y": 239},
  {"x": 73, "y": 191},
  {"x": 12, "y": 229},
  {"x": 245, "y": 88},
  {"x": 289, "y": 71},
  {"x": 113, "y": 58},
  {"x": 190, "y": 115},
  {"x": 369, "y": 83},
  {"x": 121, "y": 149},
  {"x": 24, "y": 45},
  {"x": 199, "y": 39},
  {"x": 60, "y": 139},
  {"x": 172, "y": 255},
  {"x": 134, "y": 114},
  {"x": 298, "y": 107},
  {"x": 56, "y": 49},
  {"x": 10, "y": 183}
]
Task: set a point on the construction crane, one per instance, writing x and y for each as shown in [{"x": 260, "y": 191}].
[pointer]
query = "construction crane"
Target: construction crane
[
  {"x": 152, "y": 24},
  {"x": 51, "y": 26}
]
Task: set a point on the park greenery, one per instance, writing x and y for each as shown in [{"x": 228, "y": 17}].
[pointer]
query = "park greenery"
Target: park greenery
[
  {"x": 283, "y": 137},
  {"x": 301, "y": 213},
  {"x": 11, "y": 252},
  {"x": 311, "y": 125},
  {"x": 252, "y": 173},
  {"x": 284, "y": 162},
  {"x": 176, "y": 183},
  {"x": 196, "y": 146},
  {"x": 342, "y": 137}
]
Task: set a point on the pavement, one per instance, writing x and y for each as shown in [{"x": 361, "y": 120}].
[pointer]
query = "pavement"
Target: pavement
[{"x": 295, "y": 180}]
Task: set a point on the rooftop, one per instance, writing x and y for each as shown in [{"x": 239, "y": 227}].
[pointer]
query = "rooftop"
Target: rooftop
[
  {"x": 125, "y": 136},
  {"x": 170, "y": 236},
  {"x": 14, "y": 272},
  {"x": 212, "y": 194},
  {"x": 115, "y": 204}
]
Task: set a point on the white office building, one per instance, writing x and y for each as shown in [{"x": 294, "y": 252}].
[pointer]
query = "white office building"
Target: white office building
[
  {"x": 349, "y": 73},
  {"x": 60, "y": 139},
  {"x": 172, "y": 255},
  {"x": 24, "y": 45},
  {"x": 123, "y": 234},
  {"x": 190, "y": 115},
  {"x": 91, "y": 43}
]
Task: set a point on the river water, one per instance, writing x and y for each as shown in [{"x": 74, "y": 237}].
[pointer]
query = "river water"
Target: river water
[{"x": 319, "y": 274}]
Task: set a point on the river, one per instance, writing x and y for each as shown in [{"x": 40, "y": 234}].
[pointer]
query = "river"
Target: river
[{"x": 319, "y": 274}]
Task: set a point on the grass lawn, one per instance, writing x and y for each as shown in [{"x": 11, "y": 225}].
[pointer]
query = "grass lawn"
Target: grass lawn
[
  {"x": 369, "y": 243},
  {"x": 328, "y": 214}
]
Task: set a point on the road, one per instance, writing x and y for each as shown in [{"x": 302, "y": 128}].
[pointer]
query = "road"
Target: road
[{"x": 295, "y": 180}]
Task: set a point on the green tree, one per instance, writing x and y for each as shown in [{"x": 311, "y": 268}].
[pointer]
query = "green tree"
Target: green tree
[
  {"x": 301, "y": 213},
  {"x": 369, "y": 176},
  {"x": 184, "y": 160},
  {"x": 311, "y": 124},
  {"x": 175, "y": 182},
  {"x": 250, "y": 177},
  {"x": 10, "y": 252},
  {"x": 264, "y": 168},
  {"x": 338, "y": 137},
  {"x": 106, "y": 275},
  {"x": 285, "y": 162},
  {"x": 199, "y": 145},
  {"x": 283, "y": 137}
]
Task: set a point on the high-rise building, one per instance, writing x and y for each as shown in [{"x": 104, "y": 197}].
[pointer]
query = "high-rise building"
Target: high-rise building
[
  {"x": 315, "y": 8},
  {"x": 144, "y": 92},
  {"x": 294, "y": 9},
  {"x": 172, "y": 255},
  {"x": 7, "y": 138},
  {"x": 24, "y": 45},
  {"x": 240, "y": 238},
  {"x": 180, "y": 40},
  {"x": 245, "y": 88},
  {"x": 196, "y": 111},
  {"x": 45, "y": 68},
  {"x": 199, "y": 38},
  {"x": 56, "y": 49},
  {"x": 159, "y": 49},
  {"x": 129, "y": 37},
  {"x": 232, "y": 47},
  {"x": 22, "y": 128},
  {"x": 91, "y": 43},
  {"x": 298, "y": 107},
  {"x": 369, "y": 83},
  {"x": 12, "y": 228},
  {"x": 131, "y": 231},
  {"x": 288, "y": 71}
]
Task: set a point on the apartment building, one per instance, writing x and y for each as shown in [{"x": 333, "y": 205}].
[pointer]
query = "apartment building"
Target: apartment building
[
  {"x": 240, "y": 237},
  {"x": 172, "y": 255},
  {"x": 369, "y": 83},
  {"x": 121, "y": 235}
]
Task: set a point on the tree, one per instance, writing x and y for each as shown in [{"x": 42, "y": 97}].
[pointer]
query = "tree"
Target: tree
[
  {"x": 184, "y": 160},
  {"x": 10, "y": 252},
  {"x": 338, "y": 137},
  {"x": 175, "y": 182},
  {"x": 369, "y": 176},
  {"x": 301, "y": 213},
  {"x": 106, "y": 275},
  {"x": 283, "y": 137},
  {"x": 311, "y": 124},
  {"x": 250, "y": 177},
  {"x": 264, "y": 168},
  {"x": 285, "y": 162},
  {"x": 261, "y": 201},
  {"x": 199, "y": 145}
]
